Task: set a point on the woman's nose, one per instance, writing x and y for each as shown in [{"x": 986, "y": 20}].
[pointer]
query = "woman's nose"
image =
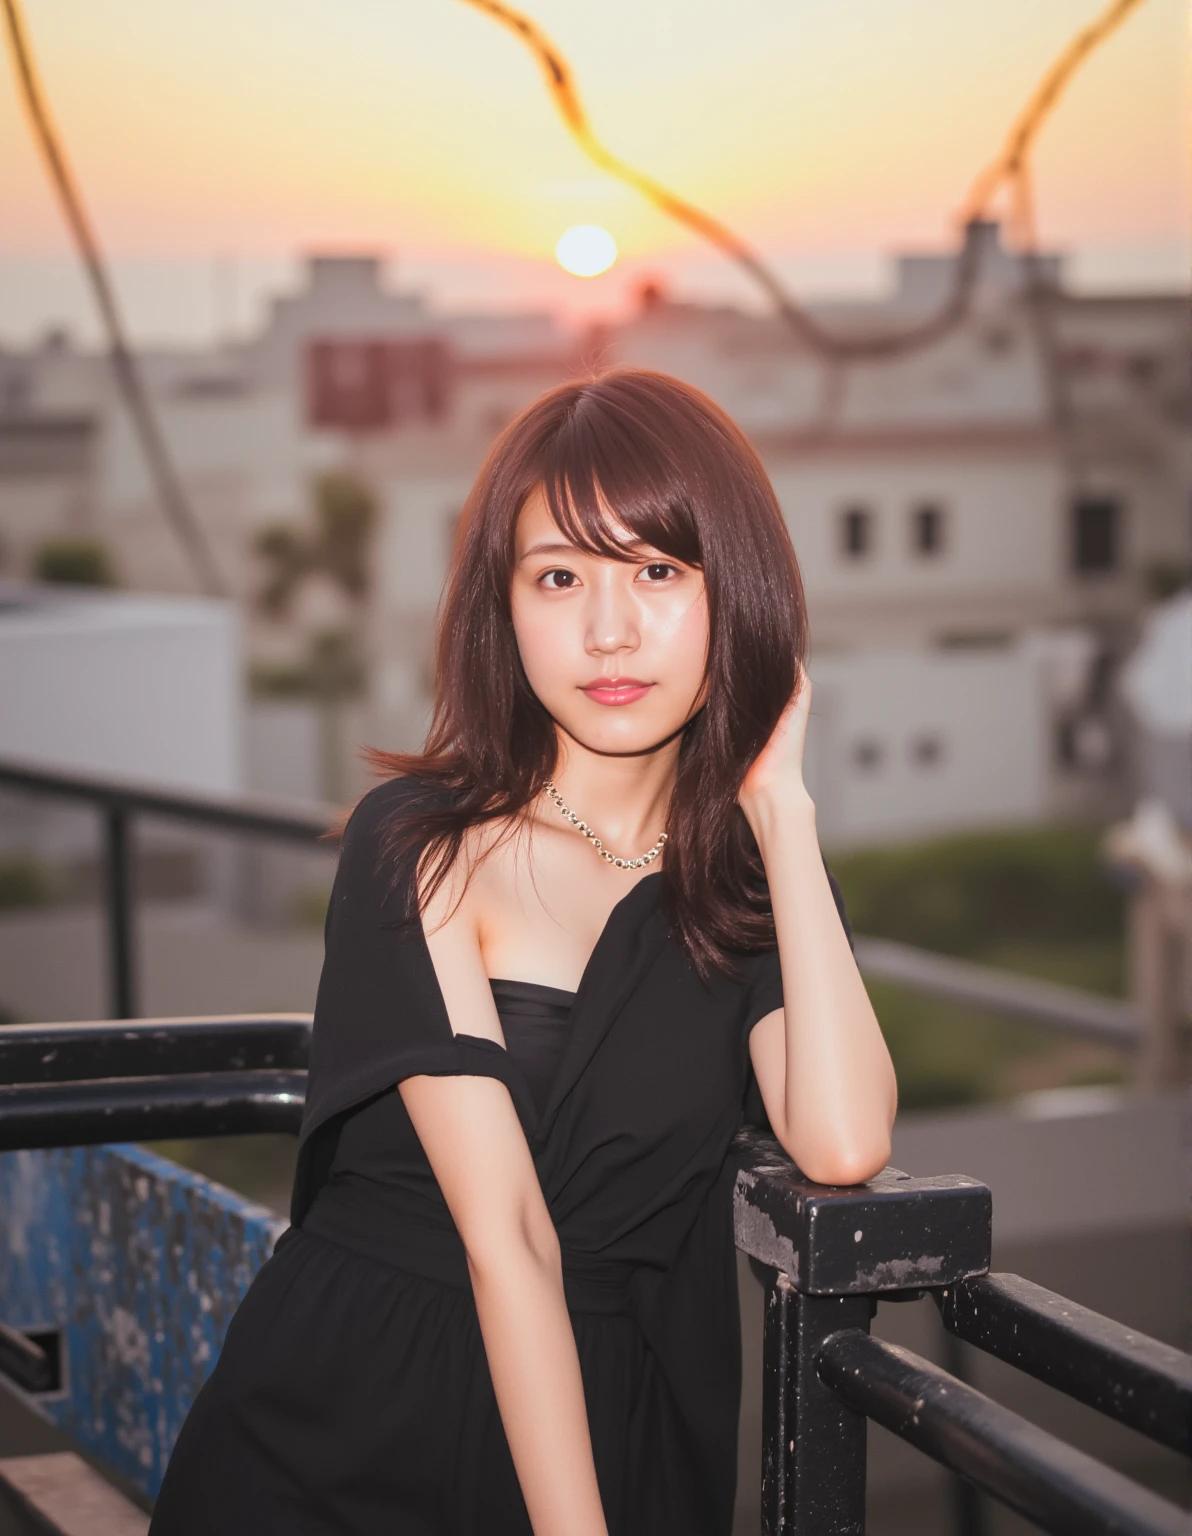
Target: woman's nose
[{"x": 610, "y": 617}]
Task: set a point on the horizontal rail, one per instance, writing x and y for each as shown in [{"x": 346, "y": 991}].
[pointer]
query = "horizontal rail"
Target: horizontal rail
[
  {"x": 893, "y": 1233},
  {"x": 1129, "y": 1377},
  {"x": 296, "y": 821},
  {"x": 1072, "y": 1012},
  {"x": 1039, "y": 1002},
  {"x": 171, "y": 1108},
  {"x": 58, "y": 1053},
  {"x": 1059, "y": 1488}
]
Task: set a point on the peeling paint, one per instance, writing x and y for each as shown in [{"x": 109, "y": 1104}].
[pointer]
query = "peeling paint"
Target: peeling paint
[
  {"x": 757, "y": 1235},
  {"x": 140, "y": 1264},
  {"x": 902, "y": 1274}
]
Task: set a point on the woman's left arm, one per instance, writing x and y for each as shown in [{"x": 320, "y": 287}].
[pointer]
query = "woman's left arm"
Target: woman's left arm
[{"x": 822, "y": 1065}]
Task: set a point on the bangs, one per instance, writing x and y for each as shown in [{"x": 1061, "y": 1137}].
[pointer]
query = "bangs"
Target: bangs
[
  {"x": 603, "y": 480},
  {"x": 624, "y": 459}
]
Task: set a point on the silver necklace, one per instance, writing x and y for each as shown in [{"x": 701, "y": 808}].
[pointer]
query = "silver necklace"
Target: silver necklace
[{"x": 582, "y": 826}]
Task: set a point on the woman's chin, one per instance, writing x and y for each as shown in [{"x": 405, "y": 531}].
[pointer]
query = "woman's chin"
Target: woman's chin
[{"x": 620, "y": 738}]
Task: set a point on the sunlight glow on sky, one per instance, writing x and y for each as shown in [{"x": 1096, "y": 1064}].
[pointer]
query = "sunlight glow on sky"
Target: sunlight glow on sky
[{"x": 249, "y": 130}]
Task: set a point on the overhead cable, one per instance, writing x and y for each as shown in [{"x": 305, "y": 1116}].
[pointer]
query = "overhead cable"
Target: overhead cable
[
  {"x": 1013, "y": 157},
  {"x": 831, "y": 346},
  {"x": 167, "y": 483}
]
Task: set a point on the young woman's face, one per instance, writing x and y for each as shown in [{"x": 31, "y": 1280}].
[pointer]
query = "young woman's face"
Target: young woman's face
[{"x": 615, "y": 650}]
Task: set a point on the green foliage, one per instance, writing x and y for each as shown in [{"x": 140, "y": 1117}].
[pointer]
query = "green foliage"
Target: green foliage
[
  {"x": 976, "y": 892},
  {"x": 74, "y": 562},
  {"x": 24, "y": 882},
  {"x": 287, "y": 558},
  {"x": 338, "y": 546},
  {"x": 331, "y": 670},
  {"x": 946, "y": 1055},
  {"x": 346, "y": 514},
  {"x": 1034, "y": 901}
]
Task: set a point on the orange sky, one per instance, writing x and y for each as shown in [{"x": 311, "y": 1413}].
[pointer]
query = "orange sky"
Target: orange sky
[{"x": 827, "y": 132}]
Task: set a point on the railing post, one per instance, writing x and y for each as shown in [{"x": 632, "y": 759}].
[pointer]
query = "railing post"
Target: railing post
[
  {"x": 968, "y": 1505},
  {"x": 813, "y": 1447},
  {"x": 118, "y": 915},
  {"x": 827, "y": 1255}
]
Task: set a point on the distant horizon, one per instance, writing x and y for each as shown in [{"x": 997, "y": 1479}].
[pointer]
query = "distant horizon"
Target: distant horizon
[{"x": 201, "y": 301}]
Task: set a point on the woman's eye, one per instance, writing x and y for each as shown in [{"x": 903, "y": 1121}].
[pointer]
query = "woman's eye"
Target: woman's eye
[
  {"x": 659, "y": 570},
  {"x": 558, "y": 581}
]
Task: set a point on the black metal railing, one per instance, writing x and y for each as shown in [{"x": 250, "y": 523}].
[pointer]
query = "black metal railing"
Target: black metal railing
[
  {"x": 827, "y": 1257},
  {"x": 119, "y": 804}
]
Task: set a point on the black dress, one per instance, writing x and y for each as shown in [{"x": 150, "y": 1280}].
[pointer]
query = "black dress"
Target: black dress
[{"x": 352, "y": 1395}]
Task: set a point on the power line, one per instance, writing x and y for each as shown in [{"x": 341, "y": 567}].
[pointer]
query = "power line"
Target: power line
[
  {"x": 1012, "y": 166},
  {"x": 830, "y": 346},
  {"x": 167, "y": 483},
  {"x": 1011, "y": 162}
]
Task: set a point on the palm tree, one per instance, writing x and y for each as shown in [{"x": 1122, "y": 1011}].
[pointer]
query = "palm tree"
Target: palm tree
[{"x": 336, "y": 548}]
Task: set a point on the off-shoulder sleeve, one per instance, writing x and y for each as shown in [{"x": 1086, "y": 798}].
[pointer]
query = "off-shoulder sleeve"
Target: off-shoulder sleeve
[{"x": 379, "y": 1013}]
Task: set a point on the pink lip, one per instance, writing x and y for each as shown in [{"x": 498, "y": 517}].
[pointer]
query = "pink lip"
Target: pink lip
[{"x": 616, "y": 690}]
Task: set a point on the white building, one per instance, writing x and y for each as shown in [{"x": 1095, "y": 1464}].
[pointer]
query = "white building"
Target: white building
[
  {"x": 129, "y": 686},
  {"x": 981, "y": 519},
  {"x": 126, "y": 685}
]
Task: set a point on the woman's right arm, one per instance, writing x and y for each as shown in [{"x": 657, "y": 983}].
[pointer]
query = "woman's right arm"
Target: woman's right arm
[{"x": 477, "y": 1149}]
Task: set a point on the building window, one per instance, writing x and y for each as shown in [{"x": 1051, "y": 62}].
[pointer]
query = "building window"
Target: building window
[
  {"x": 927, "y": 530},
  {"x": 856, "y": 532},
  {"x": 1096, "y": 532},
  {"x": 867, "y": 755},
  {"x": 927, "y": 751}
]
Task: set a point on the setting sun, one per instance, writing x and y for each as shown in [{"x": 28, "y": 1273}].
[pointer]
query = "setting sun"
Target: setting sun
[{"x": 586, "y": 250}]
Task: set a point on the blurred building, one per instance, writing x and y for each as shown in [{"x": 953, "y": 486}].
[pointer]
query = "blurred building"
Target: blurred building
[
  {"x": 980, "y": 522},
  {"x": 144, "y": 687},
  {"x": 124, "y": 685}
]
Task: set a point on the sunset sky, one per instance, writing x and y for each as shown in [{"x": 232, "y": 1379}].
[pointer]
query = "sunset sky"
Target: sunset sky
[{"x": 214, "y": 142}]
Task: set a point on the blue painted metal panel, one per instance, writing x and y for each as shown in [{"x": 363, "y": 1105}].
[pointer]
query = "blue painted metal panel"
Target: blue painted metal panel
[{"x": 140, "y": 1264}]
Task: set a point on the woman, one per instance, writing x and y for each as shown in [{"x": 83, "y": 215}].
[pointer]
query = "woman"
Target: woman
[{"x": 507, "y": 1300}]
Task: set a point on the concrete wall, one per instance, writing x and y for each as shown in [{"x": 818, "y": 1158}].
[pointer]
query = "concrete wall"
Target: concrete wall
[
  {"x": 137, "y": 687},
  {"x": 904, "y": 743},
  {"x": 1002, "y": 531}
]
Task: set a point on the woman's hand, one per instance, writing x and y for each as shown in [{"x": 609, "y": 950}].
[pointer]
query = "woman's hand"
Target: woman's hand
[{"x": 775, "y": 776}]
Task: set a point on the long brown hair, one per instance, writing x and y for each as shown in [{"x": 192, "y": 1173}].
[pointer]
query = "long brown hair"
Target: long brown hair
[{"x": 679, "y": 475}]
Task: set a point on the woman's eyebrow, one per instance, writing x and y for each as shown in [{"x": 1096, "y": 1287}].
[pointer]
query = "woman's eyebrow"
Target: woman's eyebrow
[{"x": 548, "y": 548}]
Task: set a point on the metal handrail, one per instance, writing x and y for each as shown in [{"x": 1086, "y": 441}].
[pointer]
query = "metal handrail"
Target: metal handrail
[
  {"x": 1112, "y": 1368},
  {"x": 1055, "y": 1486},
  {"x": 293, "y": 821},
  {"x": 828, "y": 1256},
  {"x": 118, "y": 802},
  {"x": 151, "y": 1080}
]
